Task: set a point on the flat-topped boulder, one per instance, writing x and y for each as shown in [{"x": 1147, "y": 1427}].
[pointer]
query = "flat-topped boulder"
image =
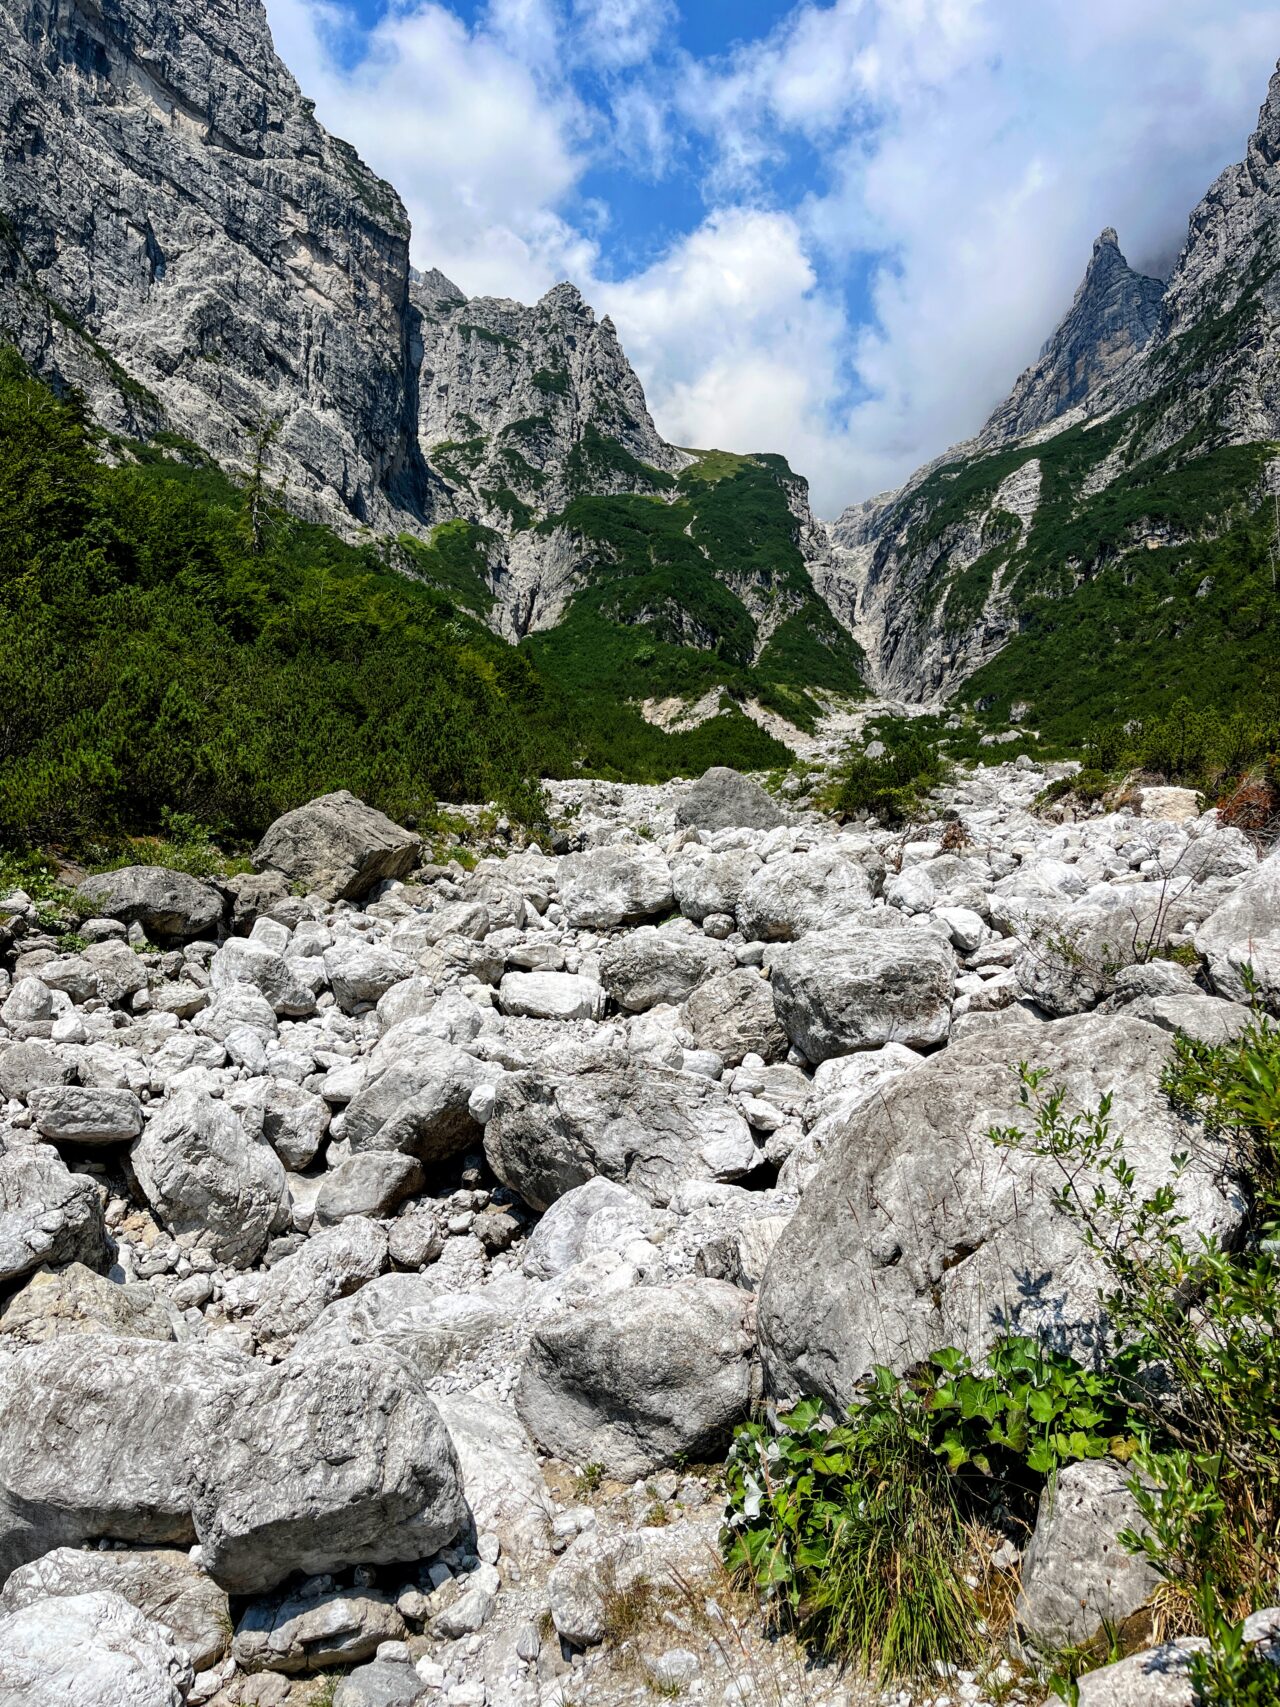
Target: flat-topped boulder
[{"x": 337, "y": 847}]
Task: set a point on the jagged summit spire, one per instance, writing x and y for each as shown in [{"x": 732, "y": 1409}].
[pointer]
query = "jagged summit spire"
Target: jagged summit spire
[{"x": 1113, "y": 315}]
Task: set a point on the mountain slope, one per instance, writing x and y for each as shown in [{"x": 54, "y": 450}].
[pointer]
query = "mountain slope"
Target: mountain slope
[
  {"x": 1103, "y": 546},
  {"x": 183, "y": 242}
]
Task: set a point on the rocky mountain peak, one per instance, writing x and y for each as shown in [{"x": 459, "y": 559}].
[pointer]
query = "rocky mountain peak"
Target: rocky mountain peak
[{"x": 1111, "y": 320}]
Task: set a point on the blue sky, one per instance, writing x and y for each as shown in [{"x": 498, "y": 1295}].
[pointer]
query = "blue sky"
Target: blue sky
[{"x": 837, "y": 229}]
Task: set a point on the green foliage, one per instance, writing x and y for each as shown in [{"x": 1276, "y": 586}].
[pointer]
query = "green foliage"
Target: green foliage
[
  {"x": 454, "y": 560},
  {"x": 552, "y": 380},
  {"x": 486, "y": 334},
  {"x": 1208, "y": 1477},
  {"x": 596, "y": 459},
  {"x": 1230, "y": 1673},
  {"x": 150, "y": 659},
  {"x": 1031, "y": 1406},
  {"x": 853, "y": 1534},
  {"x": 892, "y": 787},
  {"x": 1190, "y": 744},
  {"x": 57, "y": 906}
]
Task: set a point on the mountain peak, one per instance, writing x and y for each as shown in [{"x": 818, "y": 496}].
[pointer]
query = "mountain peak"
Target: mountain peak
[{"x": 1112, "y": 317}]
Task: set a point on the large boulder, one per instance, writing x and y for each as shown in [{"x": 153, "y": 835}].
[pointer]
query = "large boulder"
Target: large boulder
[
  {"x": 204, "y": 1175},
  {"x": 315, "y": 1464},
  {"x": 169, "y": 905},
  {"x": 407, "y": 1314},
  {"x": 337, "y": 847},
  {"x": 707, "y": 881},
  {"x": 506, "y": 1493},
  {"x": 75, "y": 1300},
  {"x": 800, "y": 892},
  {"x": 98, "y": 1436},
  {"x": 1078, "y": 1579},
  {"x": 550, "y": 995},
  {"x": 47, "y": 1214},
  {"x": 724, "y": 799},
  {"x": 734, "y": 1014},
  {"x": 164, "y": 1585},
  {"x": 375, "y": 1183},
  {"x": 418, "y": 1104},
  {"x": 1245, "y": 931},
  {"x": 645, "y": 1127},
  {"x": 88, "y": 1650},
  {"x": 593, "y": 1217},
  {"x": 86, "y": 1114},
  {"x": 644, "y": 1379},
  {"x": 1074, "y": 955},
  {"x": 614, "y": 886},
  {"x": 841, "y": 990},
  {"x": 242, "y": 960},
  {"x": 332, "y": 1264},
  {"x": 917, "y": 1232},
  {"x": 643, "y": 968}
]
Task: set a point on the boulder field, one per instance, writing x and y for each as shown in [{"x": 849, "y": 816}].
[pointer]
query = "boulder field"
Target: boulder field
[{"x": 388, "y": 1249}]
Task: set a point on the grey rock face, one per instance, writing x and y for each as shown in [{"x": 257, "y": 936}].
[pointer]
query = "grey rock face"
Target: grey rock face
[
  {"x": 802, "y": 892},
  {"x": 1245, "y": 931},
  {"x": 1160, "y": 1677},
  {"x": 734, "y": 1014},
  {"x": 315, "y": 1627},
  {"x": 75, "y": 1300},
  {"x": 614, "y": 886},
  {"x": 645, "y": 1127},
  {"x": 1112, "y": 319},
  {"x": 89, "y": 1649},
  {"x": 81, "y": 1458},
  {"x": 1077, "y": 1577},
  {"x": 724, "y": 799},
  {"x": 202, "y": 1173},
  {"x": 843, "y": 990},
  {"x": 635, "y": 1382},
  {"x": 168, "y": 905},
  {"x": 83, "y": 1114},
  {"x": 650, "y": 965},
  {"x": 47, "y": 1214},
  {"x": 917, "y": 1232},
  {"x": 337, "y": 847},
  {"x": 246, "y": 266},
  {"x": 312, "y": 1465},
  {"x": 164, "y": 1586}
]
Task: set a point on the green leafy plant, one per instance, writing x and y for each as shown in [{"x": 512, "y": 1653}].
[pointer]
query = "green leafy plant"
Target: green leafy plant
[
  {"x": 1199, "y": 1321},
  {"x": 1230, "y": 1673},
  {"x": 853, "y": 1534}
]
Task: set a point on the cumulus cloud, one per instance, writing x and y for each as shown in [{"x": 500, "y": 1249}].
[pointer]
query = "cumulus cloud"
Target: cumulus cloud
[{"x": 899, "y": 195}]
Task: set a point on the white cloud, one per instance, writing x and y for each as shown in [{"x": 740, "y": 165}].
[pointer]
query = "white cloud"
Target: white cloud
[
  {"x": 956, "y": 156},
  {"x": 482, "y": 152}
]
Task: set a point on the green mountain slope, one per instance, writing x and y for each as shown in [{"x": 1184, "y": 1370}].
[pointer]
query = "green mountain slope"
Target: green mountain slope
[{"x": 170, "y": 641}]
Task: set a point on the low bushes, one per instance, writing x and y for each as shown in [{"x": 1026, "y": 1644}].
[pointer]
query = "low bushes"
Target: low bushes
[{"x": 869, "y": 1537}]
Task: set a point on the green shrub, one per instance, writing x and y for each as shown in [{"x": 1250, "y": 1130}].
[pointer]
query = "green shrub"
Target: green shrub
[
  {"x": 1205, "y": 1315},
  {"x": 892, "y": 787},
  {"x": 853, "y": 1534}
]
